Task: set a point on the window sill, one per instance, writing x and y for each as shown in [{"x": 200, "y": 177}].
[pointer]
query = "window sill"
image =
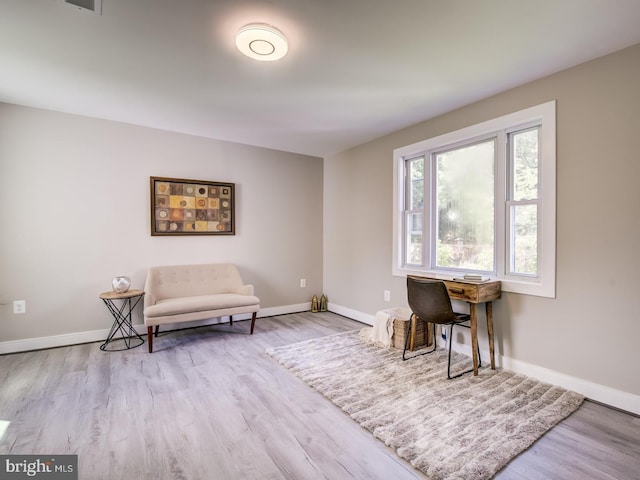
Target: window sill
[{"x": 533, "y": 288}]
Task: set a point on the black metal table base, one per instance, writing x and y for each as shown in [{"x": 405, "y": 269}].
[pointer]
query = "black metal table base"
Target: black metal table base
[{"x": 122, "y": 323}]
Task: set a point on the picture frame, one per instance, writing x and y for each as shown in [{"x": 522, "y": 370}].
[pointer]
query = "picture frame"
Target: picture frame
[{"x": 191, "y": 207}]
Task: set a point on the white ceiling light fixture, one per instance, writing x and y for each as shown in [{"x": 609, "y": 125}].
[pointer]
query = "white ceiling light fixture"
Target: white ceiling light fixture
[{"x": 262, "y": 42}]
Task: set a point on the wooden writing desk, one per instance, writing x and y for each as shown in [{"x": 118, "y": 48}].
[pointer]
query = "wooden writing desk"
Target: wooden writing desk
[{"x": 475, "y": 293}]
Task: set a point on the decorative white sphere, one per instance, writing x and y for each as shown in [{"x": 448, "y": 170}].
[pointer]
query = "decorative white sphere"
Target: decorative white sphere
[{"x": 121, "y": 284}]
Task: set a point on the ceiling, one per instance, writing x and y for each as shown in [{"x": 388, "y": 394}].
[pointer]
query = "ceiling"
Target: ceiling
[{"x": 356, "y": 69}]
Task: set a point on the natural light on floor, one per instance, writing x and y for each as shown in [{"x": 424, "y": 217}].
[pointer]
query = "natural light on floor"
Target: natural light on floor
[{"x": 3, "y": 427}]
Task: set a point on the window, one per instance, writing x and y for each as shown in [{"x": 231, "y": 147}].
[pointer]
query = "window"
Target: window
[
  {"x": 481, "y": 200},
  {"x": 463, "y": 210},
  {"x": 522, "y": 202},
  {"x": 414, "y": 213}
]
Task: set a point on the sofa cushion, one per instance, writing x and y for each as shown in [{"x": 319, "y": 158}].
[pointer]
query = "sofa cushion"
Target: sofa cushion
[
  {"x": 179, "y": 281},
  {"x": 199, "y": 303}
]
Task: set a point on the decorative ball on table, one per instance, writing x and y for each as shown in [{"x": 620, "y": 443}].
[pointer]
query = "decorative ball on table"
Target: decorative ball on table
[{"x": 121, "y": 284}]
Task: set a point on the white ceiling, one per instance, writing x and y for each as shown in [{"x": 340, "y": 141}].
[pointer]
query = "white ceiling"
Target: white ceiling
[{"x": 356, "y": 69}]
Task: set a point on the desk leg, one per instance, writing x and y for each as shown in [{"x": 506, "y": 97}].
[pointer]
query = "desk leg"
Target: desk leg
[
  {"x": 489, "y": 307},
  {"x": 474, "y": 336},
  {"x": 412, "y": 337}
]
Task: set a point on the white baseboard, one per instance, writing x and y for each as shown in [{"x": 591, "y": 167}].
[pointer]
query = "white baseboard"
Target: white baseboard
[
  {"x": 353, "y": 314},
  {"x": 594, "y": 391},
  {"x": 67, "y": 339},
  {"x": 274, "y": 311},
  {"x": 39, "y": 343},
  {"x": 600, "y": 393}
]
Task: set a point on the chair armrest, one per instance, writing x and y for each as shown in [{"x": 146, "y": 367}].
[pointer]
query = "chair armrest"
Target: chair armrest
[{"x": 149, "y": 299}]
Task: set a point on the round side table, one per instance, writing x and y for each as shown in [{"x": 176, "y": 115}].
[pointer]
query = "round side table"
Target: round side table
[{"x": 122, "y": 319}]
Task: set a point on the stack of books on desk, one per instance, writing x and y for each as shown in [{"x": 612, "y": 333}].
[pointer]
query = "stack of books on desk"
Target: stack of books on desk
[{"x": 473, "y": 277}]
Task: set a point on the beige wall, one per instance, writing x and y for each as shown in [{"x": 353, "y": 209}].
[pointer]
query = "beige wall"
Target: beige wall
[
  {"x": 75, "y": 196},
  {"x": 590, "y": 331}
]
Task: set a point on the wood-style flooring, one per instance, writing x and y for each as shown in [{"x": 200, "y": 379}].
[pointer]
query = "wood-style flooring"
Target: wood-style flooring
[{"x": 210, "y": 404}]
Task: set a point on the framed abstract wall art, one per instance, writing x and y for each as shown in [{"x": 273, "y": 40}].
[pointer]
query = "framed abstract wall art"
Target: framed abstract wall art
[{"x": 192, "y": 207}]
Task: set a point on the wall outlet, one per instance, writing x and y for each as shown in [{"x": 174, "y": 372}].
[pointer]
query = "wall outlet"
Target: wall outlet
[
  {"x": 303, "y": 283},
  {"x": 19, "y": 306},
  {"x": 387, "y": 296}
]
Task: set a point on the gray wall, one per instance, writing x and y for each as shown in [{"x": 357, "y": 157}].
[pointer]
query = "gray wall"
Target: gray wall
[
  {"x": 75, "y": 196},
  {"x": 590, "y": 331}
]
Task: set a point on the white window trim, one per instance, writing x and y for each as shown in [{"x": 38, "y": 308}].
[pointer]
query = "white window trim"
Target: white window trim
[{"x": 545, "y": 284}]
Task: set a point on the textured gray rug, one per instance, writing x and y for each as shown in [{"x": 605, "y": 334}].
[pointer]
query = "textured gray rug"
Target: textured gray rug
[{"x": 467, "y": 428}]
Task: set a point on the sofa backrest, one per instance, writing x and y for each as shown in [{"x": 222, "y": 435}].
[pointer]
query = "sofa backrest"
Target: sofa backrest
[{"x": 174, "y": 281}]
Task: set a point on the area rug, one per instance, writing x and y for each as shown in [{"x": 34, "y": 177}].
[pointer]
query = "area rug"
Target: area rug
[{"x": 466, "y": 428}]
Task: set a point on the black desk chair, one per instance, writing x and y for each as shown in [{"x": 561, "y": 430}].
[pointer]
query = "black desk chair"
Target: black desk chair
[{"x": 430, "y": 302}]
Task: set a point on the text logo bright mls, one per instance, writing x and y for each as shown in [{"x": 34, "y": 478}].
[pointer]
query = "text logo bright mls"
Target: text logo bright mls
[{"x": 51, "y": 467}]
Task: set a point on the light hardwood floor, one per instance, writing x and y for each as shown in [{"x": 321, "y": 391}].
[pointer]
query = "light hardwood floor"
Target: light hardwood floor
[{"x": 210, "y": 404}]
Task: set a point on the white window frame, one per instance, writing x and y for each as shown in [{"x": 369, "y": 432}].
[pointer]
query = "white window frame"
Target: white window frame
[
  {"x": 407, "y": 213},
  {"x": 544, "y": 284},
  {"x": 509, "y": 202}
]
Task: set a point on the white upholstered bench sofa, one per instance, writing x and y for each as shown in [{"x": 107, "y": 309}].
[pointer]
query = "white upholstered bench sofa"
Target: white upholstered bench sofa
[{"x": 182, "y": 293}]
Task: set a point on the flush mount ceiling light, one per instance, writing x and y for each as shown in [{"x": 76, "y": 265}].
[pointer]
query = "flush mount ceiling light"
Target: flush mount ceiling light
[{"x": 261, "y": 42}]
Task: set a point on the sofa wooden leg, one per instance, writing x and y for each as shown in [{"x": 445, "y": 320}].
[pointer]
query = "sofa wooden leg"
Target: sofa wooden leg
[
  {"x": 230, "y": 320},
  {"x": 150, "y": 338},
  {"x": 157, "y": 329},
  {"x": 253, "y": 321}
]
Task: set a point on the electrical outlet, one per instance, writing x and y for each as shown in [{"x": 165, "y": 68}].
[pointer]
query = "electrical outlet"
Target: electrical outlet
[
  {"x": 387, "y": 296},
  {"x": 19, "y": 306},
  {"x": 303, "y": 283}
]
